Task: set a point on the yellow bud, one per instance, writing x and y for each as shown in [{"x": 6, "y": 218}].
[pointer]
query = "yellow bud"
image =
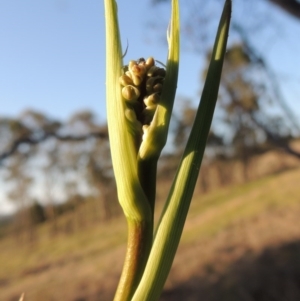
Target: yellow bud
[
  {"x": 149, "y": 62},
  {"x": 131, "y": 64},
  {"x": 151, "y": 100},
  {"x": 130, "y": 115},
  {"x": 139, "y": 70},
  {"x": 125, "y": 80},
  {"x": 137, "y": 80},
  {"x": 128, "y": 73},
  {"x": 130, "y": 92}
]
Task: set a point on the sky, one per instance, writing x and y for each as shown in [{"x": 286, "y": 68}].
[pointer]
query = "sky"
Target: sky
[
  {"x": 52, "y": 54},
  {"x": 52, "y": 57}
]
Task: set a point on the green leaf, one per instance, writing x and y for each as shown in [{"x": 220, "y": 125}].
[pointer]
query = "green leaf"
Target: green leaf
[
  {"x": 124, "y": 158},
  {"x": 123, "y": 151},
  {"x": 157, "y": 132},
  {"x": 174, "y": 214}
]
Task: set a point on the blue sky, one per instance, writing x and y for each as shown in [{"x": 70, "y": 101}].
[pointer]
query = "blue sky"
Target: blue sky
[
  {"x": 52, "y": 57},
  {"x": 52, "y": 54}
]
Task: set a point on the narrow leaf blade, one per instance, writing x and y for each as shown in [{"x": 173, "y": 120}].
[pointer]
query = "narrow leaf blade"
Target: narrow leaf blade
[{"x": 175, "y": 212}]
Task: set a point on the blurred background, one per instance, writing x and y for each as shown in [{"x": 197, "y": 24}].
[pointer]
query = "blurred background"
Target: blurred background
[{"x": 62, "y": 233}]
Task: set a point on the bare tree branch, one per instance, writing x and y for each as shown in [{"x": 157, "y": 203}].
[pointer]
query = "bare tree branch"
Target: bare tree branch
[
  {"x": 46, "y": 135},
  {"x": 277, "y": 141},
  {"x": 258, "y": 59},
  {"x": 290, "y": 6}
]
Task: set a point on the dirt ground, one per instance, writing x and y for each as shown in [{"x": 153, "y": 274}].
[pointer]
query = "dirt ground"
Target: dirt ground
[
  {"x": 257, "y": 260},
  {"x": 253, "y": 254}
]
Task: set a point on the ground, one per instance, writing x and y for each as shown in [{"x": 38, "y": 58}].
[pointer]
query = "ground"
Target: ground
[{"x": 239, "y": 243}]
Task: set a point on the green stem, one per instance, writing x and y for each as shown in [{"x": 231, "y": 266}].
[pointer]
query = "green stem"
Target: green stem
[{"x": 138, "y": 248}]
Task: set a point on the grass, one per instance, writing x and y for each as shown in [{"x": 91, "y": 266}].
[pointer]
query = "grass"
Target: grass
[
  {"x": 217, "y": 210},
  {"x": 223, "y": 227}
]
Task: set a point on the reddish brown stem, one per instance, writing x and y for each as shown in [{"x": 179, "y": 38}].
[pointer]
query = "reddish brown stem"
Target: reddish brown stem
[{"x": 138, "y": 248}]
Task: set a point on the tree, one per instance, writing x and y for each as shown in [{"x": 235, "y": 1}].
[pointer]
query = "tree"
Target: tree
[
  {"x": 18, "y": 182},
  {"x": 290, "y": 6},
  {"x": 251, "y": 110},
  {"x": 257, "y": 96},
  {"x": 68, "y": 159}
]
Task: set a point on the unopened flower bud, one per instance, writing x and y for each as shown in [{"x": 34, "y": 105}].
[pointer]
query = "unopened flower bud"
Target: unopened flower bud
[
  {"x": 151, "y": 100},
  {"x": 139, "y": 70},
  {"x": 149, "y": 62},
  {"x": 157, "y": 87},
  {"x": 125, "y": 80},
  {"x": 152, "y": 70},
  {"x": 160, "y": 72},
  {"x": 151, "y": 82},
  {"x": 130, "y": 115},
  {"x": 131, "y": 65},
  {"x": 141, "y": 61},
  {"x": 137, "y": 79},
  {"x": 156, "y": 71},
  {"x": 130, "y": 92}
]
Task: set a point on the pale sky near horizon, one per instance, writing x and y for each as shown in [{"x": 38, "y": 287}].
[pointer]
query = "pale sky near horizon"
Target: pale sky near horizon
[{"x": 52, "y": 54}]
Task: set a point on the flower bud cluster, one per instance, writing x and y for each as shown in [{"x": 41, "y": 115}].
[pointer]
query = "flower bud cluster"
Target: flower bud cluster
[{"x": 142, "y": 83}]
